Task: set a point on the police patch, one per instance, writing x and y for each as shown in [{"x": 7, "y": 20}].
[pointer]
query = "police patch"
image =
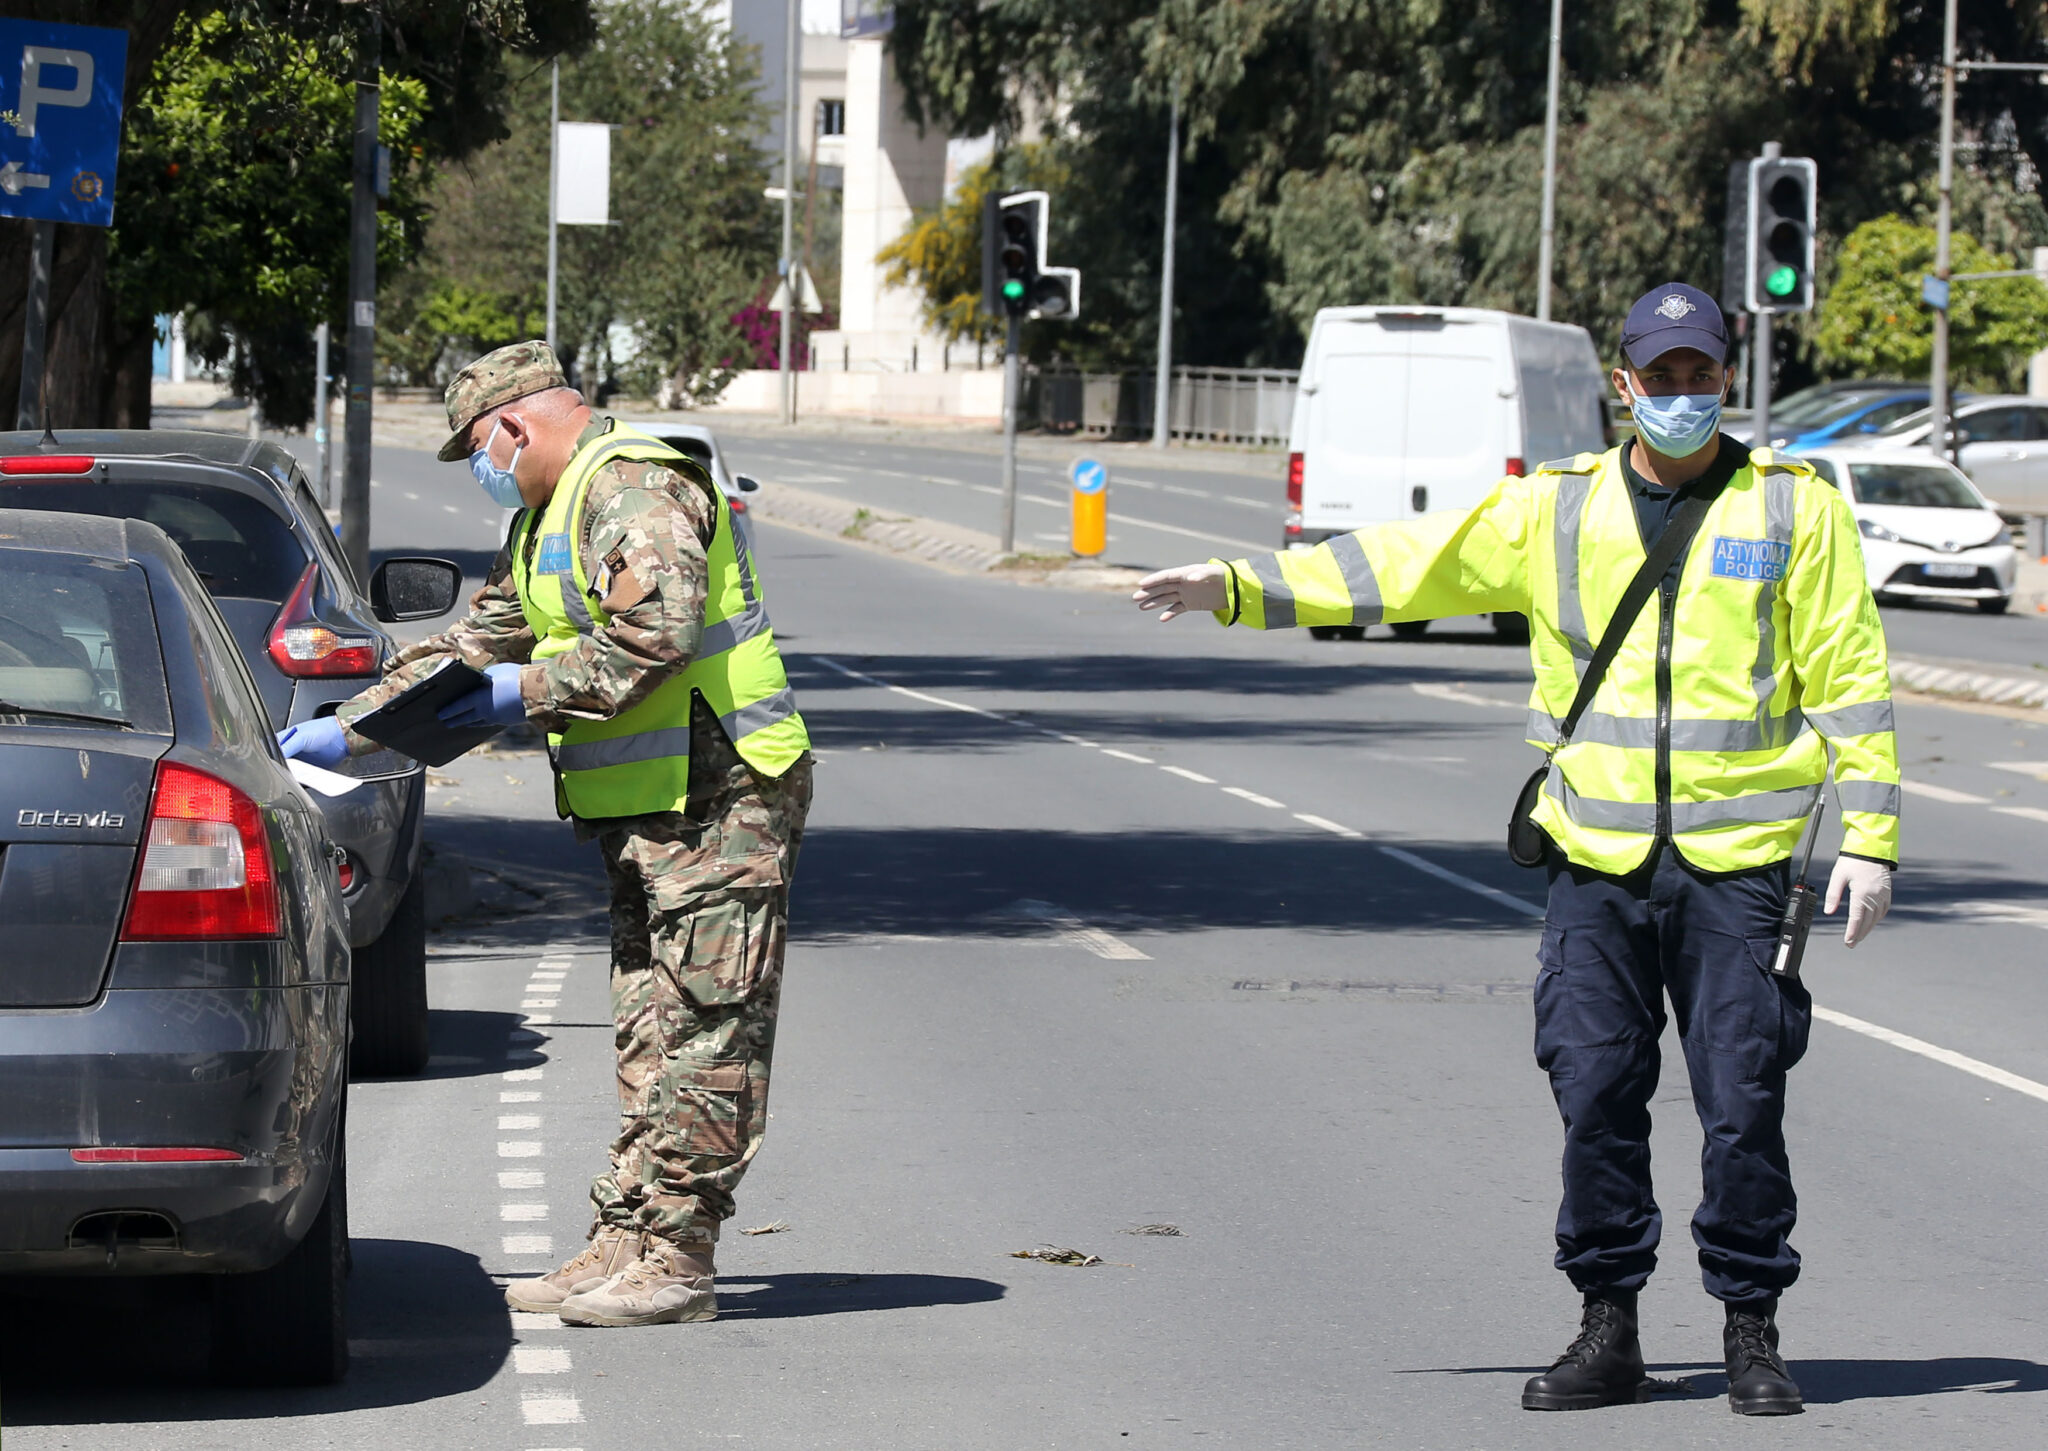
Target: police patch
[
  {"x": 1754, "y": 559},
  {"x": 554, "y": 555}
]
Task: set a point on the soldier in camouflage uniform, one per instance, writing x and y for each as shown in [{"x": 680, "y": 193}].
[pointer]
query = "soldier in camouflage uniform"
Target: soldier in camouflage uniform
[{"x": 699, "y": 897}]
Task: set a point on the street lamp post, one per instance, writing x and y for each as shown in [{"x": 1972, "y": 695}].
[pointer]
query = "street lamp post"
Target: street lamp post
[
  {"x": 791, "y": 301},
  {"x": 1546, "y": 247},
  {"x": 1162, "y": 391},
  {"x": 554, "y": 183},
  {"x": 1937, "y": 389}
]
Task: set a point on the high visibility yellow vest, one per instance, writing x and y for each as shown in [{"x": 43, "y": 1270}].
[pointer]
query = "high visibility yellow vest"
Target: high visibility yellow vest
[
  {"x": 638, "y": 762},
  {"x": 1773, "y": 651}
]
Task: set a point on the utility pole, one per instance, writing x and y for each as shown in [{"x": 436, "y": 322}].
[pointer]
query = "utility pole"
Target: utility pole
[
  {"x": 1760, "y": 357},
  {"x": 1937, "y": 383},
  {"x": 554, "y": 183},
  {"x": 1546, "y": 248},
  {"x": 321, "y": 336},
  {"x": 791, "y": 74},
  {"x": 35, "y": 329},
  {"x": 1013, "y": 377},
  {"x": 362, "y": 293},
  {"x": 1162, "y": 393}
]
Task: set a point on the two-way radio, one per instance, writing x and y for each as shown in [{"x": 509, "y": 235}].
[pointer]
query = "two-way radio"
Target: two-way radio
[{"x": 1799, "y": 905}]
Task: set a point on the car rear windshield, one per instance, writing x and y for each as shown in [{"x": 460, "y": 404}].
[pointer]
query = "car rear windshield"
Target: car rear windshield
[
  {"x": 78, "y": 638},
  {"x": 695, "y": 448},
  {"x": 1921, "y": 486},
  {"x": 240, "y": 547}
]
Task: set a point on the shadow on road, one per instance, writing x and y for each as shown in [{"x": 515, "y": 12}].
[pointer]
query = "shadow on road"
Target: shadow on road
[
  {"x": 426, "y": 1321},
  {"x": 1832, "y": 1382},
  {"x": 787, "y": 1297},
  {"x": 855, "y": 882},
  {"x": 1351, "y": 666}
]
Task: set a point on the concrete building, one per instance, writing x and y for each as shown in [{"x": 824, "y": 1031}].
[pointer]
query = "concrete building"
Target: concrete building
[{"x": 880, "y": 360}]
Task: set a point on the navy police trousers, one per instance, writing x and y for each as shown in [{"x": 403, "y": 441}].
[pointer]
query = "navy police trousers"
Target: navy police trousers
[{"x": 1613, "y": 948}]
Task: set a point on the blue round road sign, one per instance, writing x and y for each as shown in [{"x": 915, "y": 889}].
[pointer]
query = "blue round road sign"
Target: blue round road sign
[{"x": 1089, "y": 476}]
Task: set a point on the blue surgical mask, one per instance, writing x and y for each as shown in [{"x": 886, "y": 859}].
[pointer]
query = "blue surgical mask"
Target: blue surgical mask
[
  {"x": 499, "y": 483},
  {"x": 1678, "y": 426}
]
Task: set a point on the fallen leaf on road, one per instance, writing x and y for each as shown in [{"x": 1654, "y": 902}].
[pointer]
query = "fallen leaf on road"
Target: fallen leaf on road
[
  {"x": 1172, "y": 1230},
  {"x": 776, "y": 1227},
  {"x": 1054, "y": 1255}
]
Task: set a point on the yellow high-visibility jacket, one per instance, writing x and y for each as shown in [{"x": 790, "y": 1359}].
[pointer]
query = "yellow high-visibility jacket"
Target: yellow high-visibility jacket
[{"x": 1773, "y": 648}]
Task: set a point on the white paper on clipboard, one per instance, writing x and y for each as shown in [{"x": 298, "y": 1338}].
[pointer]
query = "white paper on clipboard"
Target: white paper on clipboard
[{"x": 327, "y": 783}]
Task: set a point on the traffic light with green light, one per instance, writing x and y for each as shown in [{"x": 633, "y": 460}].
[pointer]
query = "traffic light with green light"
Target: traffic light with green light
[
  {"x": 1781, "y": 197},
  {"x": 1015, "y": 281}
]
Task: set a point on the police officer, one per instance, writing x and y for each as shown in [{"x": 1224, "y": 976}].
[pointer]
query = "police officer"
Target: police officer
[
  {"x": 1673, "y": 811},
  {"x": 625, "y": 618}
]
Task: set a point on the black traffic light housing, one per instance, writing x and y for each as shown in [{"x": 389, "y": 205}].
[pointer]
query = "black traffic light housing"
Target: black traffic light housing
[
  {"x": 1015, "y": 282},
  {"x": 1778, "y": 276}
]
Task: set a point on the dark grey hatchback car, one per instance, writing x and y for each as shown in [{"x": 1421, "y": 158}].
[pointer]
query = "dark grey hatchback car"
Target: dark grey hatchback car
[
  {"x": 243, "y": 513},
  {"x": 174, "y": 982}
]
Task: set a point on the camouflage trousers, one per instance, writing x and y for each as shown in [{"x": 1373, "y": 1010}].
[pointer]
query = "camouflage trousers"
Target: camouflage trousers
[{"x": 700, "y": 917}]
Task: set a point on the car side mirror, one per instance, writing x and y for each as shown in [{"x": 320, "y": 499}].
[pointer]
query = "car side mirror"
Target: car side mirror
[
  {"x": 747, "y": 483},
  {"x": 414, "y": 589}
]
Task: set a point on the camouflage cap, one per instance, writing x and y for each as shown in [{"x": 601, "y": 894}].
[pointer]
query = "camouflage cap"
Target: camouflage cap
[{"x": 497, "y": 378}]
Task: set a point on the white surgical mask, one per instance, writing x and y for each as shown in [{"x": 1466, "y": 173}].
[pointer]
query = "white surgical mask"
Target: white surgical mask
[{"x": 499, "y": 483}]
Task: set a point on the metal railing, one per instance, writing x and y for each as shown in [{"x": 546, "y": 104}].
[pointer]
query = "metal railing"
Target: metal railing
[{"x": 1216, "y": 405}]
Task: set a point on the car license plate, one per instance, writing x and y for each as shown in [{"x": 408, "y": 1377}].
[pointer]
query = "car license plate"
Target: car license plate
[{"x": 1950, "y": 571}]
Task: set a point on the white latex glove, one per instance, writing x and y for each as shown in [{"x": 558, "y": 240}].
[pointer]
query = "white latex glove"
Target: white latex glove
[
  {"x": 1869, "y": 885},
  {"x": 1180, "y": 591}
]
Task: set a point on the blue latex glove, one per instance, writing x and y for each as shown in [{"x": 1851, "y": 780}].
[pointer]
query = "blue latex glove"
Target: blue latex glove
[
  {"x": 496, "y": 702},
  {"x": 316, "y": 742}
]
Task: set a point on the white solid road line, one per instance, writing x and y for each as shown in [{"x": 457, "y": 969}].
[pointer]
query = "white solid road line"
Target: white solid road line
[
  {"x": 1466, "y": 697},
  {"x": 1924, "y": 1049},
  {"x": 1943, "y": 793},
  {"x": 1456, "y": 879},
  {"x": 1094, "y": 939}
]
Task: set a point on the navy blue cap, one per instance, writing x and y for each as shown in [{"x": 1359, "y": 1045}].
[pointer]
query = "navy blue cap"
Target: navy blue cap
[{"x": 1673, "y": 316}]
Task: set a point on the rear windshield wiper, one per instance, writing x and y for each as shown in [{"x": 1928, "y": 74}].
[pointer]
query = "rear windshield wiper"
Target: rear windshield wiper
[{"x": 8, "y": 707}]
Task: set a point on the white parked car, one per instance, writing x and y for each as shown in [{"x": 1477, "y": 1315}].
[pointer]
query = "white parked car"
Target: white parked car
[
  {"x": 1927, "y": 532},
  {"x": 698, "y": 442}
]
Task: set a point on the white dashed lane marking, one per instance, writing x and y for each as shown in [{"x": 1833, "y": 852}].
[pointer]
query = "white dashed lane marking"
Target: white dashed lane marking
[{"x": 1524, "y": 907}]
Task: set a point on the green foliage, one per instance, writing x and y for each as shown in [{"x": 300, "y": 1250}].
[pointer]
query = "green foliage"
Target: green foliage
[
  {"x": 1346, "y": 151},
  {"x": 243, "y": 210},
  {"x": 1874, "y": 322},
  {"x": 650, "y": 300}
]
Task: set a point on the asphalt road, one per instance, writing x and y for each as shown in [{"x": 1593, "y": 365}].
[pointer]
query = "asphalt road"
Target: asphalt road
[{"x": 1104, "y": 924}]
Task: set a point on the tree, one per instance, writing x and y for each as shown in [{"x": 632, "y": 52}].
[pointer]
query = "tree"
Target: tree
[
  {"x": 651, "y": 299},
  {"x": 1874, "y": 322},
  {"x": 270, "y": 66},
  {"x": 1392, "y": 152}
]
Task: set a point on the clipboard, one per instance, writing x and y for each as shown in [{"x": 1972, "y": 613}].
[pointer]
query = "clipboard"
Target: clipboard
[{"x": 410, "y": 722}]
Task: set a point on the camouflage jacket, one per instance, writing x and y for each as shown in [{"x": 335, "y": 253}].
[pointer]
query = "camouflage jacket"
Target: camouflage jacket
[{"x": 659, "y": 520}]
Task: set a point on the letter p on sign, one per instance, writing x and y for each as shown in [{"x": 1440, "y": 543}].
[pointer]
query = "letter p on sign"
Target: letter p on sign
[{"x": 36, "y": 93}]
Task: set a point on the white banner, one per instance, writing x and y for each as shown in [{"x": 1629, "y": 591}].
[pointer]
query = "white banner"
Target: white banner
[{"x": 583, "y": 172}]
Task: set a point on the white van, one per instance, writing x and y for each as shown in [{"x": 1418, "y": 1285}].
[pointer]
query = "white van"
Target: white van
[{"x": 1403, "y": 410}]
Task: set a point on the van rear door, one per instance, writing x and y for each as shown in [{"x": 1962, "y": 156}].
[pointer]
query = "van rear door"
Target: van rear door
[
  {"x": 1358, "y": 425},
  {"x": 1460, "y": 400}
]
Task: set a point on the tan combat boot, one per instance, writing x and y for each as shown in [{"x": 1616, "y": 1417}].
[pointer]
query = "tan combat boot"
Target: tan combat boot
[
  {"x": 610, "y": 1250},
  {"x": 667, "y": 1283}
]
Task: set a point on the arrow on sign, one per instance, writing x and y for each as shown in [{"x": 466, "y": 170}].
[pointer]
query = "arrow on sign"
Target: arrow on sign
[{"x": 14, "y": 181}]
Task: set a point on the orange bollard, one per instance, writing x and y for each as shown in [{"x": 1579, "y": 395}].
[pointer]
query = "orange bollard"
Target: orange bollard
[{"x": 1091, "y": 508}]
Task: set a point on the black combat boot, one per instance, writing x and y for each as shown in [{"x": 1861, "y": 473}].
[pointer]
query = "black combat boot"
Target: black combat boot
[
  {"x": 1603, "y": 1367},
  {"x": 1758, "y": 1384}
]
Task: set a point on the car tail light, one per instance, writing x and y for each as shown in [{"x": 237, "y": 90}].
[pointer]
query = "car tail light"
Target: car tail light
[
  {"x": 155, "y": 1156},
  {"x": 206, "y": 872},
  {"x": 345, "y": 871},
  {"x": 303, "y": 647},
  {"x": 47, "y": 463},
  {"x": 1294, "y": 481},
  {"x": 1515, "y": 468}
]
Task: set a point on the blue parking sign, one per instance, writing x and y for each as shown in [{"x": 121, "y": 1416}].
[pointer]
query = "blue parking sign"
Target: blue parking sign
[{"x": 60, "y": 120}]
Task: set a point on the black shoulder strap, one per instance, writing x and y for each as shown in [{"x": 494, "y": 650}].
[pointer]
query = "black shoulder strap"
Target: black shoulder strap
[{"x": 1677, "y": 535}]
